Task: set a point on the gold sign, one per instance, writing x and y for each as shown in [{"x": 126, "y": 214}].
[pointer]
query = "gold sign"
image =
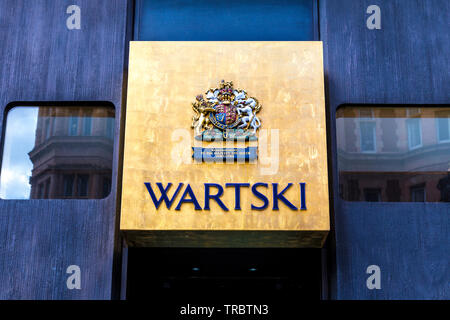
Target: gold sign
[{"x": 262, "y": 177}]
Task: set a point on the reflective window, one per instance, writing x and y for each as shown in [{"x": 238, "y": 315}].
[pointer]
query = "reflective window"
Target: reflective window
[
  {"x": 57, "y": 152},
  {"x": 368, "y": 137},
  {"x": 73, "y": 126},
  {"x": 414, "y": 133},
  {"x": 233, "y": 20},
  {"x": 87, "y": 125},
  {"x": 394, "y": 153},
  {"x": 443, "y": 127}
]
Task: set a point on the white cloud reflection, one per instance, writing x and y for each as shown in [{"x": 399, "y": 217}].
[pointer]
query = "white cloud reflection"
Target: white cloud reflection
[{"x": 16, "y": 169}]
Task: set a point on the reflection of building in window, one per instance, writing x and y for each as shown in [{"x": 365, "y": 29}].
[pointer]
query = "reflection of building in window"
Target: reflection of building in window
[
  {"x": 47, "y": 188},
  {"x": 414, "y": 133},
  {"x": 40, "y": 191},
  {"x": 47, "y": 128},
  {"x": 76, "y": 159},
  {"x": 372, "y": 194},
  {"x": 367, "y": 128},
  {"x": 418, "y": 193},
  {"x": 43, "y": 191},
  {"x": 412, "y": 112},
  {"x": 410, "y": 162},
  {"x": 443, "y": 126},
  {"x": 393, "y": 190},
  {"x": 353, "y": 190},
  {"x": 368, "y": 137},
  {"x": 73, "y": 126},
  {"x": 444, "y": 188},
  {"x": 106, "y": 186},
  {"x": 87, "y": 126},
  {"x": 82, "y": 184},
  {"x": 76, "y": 185},
  {"x": 68, "y": 185},
  {"x": 110, "y": 127}
]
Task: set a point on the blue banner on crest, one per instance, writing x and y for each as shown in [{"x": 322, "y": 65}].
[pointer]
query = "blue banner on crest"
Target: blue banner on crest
[{"x": 223, "y": 154}]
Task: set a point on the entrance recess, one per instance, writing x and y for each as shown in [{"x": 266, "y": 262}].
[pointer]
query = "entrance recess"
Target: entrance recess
[{"x": 201, "y": 275}]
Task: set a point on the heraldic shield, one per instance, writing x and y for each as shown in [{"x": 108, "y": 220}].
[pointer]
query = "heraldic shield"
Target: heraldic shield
[
  {"x": 225, "y": 113},
  {"x": 224, "y": 117}
]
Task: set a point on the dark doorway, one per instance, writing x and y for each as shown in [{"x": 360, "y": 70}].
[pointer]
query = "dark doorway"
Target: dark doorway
[{"x": 178, "y": 276}]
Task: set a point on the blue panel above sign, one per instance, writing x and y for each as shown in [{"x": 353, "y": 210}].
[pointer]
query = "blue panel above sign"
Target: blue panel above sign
[{"x": 232, "y": 20}]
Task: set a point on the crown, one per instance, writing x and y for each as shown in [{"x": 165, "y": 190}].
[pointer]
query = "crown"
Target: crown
[{"x": 226, "y": 91}]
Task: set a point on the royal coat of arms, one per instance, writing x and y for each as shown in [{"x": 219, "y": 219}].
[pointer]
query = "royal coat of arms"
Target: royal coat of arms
[{"x": 225, "y": 113}]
